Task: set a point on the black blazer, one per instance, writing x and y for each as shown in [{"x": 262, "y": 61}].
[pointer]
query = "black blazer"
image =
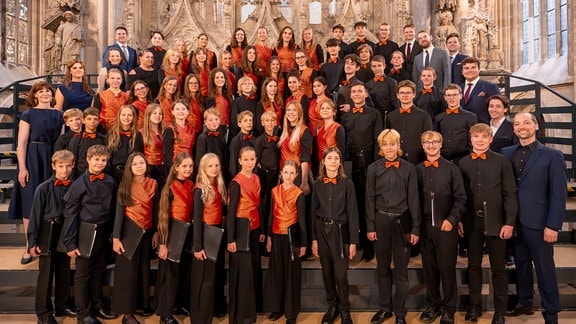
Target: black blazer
[{"x": 504, "y": 137}]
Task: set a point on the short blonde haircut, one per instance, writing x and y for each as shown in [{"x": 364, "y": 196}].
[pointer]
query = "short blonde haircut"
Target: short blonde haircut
[
  {"x": 482, "y": 129},
  {"x": 71, "y": 113},
  {"x": 389, "y": 135},
  {"x": 62, "y": 155},
  {"x": 268, "y": 114},
  {"x": 211, "y": 111}
]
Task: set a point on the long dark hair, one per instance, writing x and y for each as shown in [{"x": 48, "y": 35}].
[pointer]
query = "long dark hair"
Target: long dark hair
[{"x": 125, "y": 187}]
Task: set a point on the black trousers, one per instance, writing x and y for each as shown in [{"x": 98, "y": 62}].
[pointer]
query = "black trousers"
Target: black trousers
[
  {"x": 89, "y": 276},
  {"x": 360, "y": 163},
  {"x": 531, "y": 248},
  {"x": 282, "y": 288},
  {"x": 54, "y": 268},
  {"x": 391, "y": 245},
  {"x": 245, "y": 283},
  {"x": 132, "y": 279},
  {"x": 439, "y": 252},
  {"x": 334, "y": 265},
  {"x": 497, "y": 255}
]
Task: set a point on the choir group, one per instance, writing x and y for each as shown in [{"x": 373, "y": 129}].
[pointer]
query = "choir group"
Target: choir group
[{"x": 284, "y": 153}]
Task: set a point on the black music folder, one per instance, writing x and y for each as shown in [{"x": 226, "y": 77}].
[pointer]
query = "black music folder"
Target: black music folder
[
  {"x": 48, "y": 236},
  {"x": 86, "y": 238},
  {"x": 212, "y": 238},
  {"x": 177, "y": 239},
  {"x": 131, "y": 236},
  {"x": 242, "y": 234}
]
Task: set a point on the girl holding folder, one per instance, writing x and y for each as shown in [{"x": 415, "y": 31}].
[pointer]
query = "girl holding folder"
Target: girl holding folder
[
  {"x": 286, "y": 244},
  {"x": 176, "y": 207},
  {"x": 132, "y": 236},
  {"x": 244, "y": 236},
  {"x": 209, "y": 196}
]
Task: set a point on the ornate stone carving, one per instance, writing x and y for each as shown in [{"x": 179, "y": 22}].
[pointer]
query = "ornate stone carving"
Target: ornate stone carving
[
  {"x": 68, "y": 41},
  {"x": 479, "y": 30},
  {"x": 445, "y": 28}
]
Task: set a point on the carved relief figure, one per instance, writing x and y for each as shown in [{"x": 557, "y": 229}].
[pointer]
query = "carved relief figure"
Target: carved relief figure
[
  {"x": 495, "y": 58},
  {"x": 49, "y": 52},
  {"x": 444, "y": 29},
  {"x": 68, "y": 41}
]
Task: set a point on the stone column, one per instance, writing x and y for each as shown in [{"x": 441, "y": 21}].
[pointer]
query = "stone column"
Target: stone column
[{"x": 422, "y": 14}]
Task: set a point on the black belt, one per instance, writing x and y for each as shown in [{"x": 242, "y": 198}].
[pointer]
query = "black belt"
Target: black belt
[
  {"x": 38, "y": 142},
  {"x": 389, "y": 214},
  {"x": 330, "y": 221}
]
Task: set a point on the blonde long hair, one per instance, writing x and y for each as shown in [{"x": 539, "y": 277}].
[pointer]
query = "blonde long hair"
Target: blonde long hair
[
  {"x": 298, "y": 129},
  {"x": 203, "y": 181}
]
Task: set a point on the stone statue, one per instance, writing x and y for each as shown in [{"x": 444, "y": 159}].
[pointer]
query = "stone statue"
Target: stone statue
[
  {"x": 450, "y": 5},
  {"x": 495, "y": 58},
  {"x": 68, "y": 41},
  {"x": 445, "y": 28},
  {"x": 49, "y": 52}
]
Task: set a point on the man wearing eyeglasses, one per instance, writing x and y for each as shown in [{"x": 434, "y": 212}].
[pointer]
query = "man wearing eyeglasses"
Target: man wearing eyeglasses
[
  {"x": 442, "y": 200},
  {"x": 410, "y": 121},
  {"x": 454, "y": 124}
]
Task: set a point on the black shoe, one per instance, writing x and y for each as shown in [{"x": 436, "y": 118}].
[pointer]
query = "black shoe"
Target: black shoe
[
  {"x": 129, "y": 319},
  {"x": 145, "y": 312},
  {"x": 48, "y": 320},
  {"x": 472, "y": 314},
  {"x": 551, "y": 322},
  {"x": 106, "y": 313},
  {"x": 68, "y": 312},
  {"x": 380, "y": 317},
  {"x": 274, "y": 316},
  {"x": 509, "y": 260},
  {"x": 181, "y": 311},
  {"x": 521, "y": 310},
  {"x": 88, "y": 320},
  {"x": 26, "y": 258},
  {"x": 330, "y": 316},
  {"x": 447, "y": 318},
  {"x": 498, "y": 318},
  {"x": 168, "y": 320},
  {"x": 345, "y": 317},
  {"x": 430, "y": 314},
  {"x": 463, "y": 253},
  {"x": 400, "y": 320},
  {"x": 290, "y": 321},
  {"x": 368, "y": 255}
]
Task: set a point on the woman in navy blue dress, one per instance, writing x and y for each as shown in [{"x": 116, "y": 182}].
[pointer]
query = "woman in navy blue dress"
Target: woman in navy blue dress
[
  {"x": 39, "y": 127},
  {"x": 74, "y": 92}
]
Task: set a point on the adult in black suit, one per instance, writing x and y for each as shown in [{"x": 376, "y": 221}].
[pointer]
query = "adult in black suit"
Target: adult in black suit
[
  {"x": 476, "y": 90},
  {"x": 498, "y": 108},
  {"x": 541, "y": 180},
  {"x": 410, "y": 48},
  {"x": 128, "y": 53},
  {"x": 453, "y": 45}
]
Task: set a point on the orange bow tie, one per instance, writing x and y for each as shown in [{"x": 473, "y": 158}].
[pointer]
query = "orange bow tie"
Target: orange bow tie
[
  {"x": 424, "y": 91},
  {"x": 127, "y": 134},
  {"x": 214, "y": 134},
  {"x": 431, "y": 164},
  {"x": 380, "y": 78},
  {"x": 479, "y": 155},
  {"x": 382, "y": 43},
  {"x": 96, "y": 177},
  {"x": 345, "y": 82},
  {"x": 452, "y": 111},
  {"x": 247, "y": 137},
  {"x": 395, "y": 164},
  {"x": 89, "y": 135},
  {"x": 406, "y": 110},
  {"x": 272, "y": 139},
  {"x": 361, "y": 41},
  {"x": 333, "y": 60},
  {"x": 158, "y": 49},
  {"x": 364, "y": 65},
  {"x": 357, "y": 110},
  {"x": 330, "y": 180},
  {"x": 64, "y": 183},
  {"x": 395, "y": 71},
  {"x": 251, "y": 98}
]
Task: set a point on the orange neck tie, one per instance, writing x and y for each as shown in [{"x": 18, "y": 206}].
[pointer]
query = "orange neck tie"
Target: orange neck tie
[
  {"x": 96, "y": 177},
  {"x": 479, "y": 155},
  {"x": 330, "y": 180}
]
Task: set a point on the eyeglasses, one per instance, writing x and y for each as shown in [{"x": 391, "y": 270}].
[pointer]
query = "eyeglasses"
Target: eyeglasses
[
  {"x": 405, "y": 93},
  {"x": 452, "y": 95},
  {"x": 431, "y": 143},
  {"x": 140, "y": 89},
  {"x": 300, "y": 57}
]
